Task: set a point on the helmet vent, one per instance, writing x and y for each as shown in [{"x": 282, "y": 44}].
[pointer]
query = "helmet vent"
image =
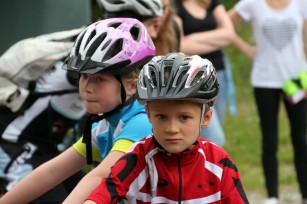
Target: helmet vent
[
  {"x": 143, "y": 83},
  {"x": 103, "y": 36},
  {"x": 135, "y": 32},
  {"x": 78, "y": 44},
  {"x": 144, "y": 5},
  {"x": 114, "y": 49},
  {"x": 186, "y": 61},
  {"x": 166, "y": 75},
  {"x": 115, "y": 24},
  {"x": 180, "y": 77},
  {"x": 97, "y": 43},
  {"x": 117, "y": 2},
  {"x": 92, "y": 35},
  {"x": 153, "y": 77},
  {"x": 205, "y": 87},
  {"x": 197, "y": 78}
]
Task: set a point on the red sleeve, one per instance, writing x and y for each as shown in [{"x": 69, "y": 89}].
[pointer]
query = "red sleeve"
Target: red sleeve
[
  {"x": 232, "y": 188},
  {"x": 98, "y": 195},
  {"x": 116, "y": 186}
]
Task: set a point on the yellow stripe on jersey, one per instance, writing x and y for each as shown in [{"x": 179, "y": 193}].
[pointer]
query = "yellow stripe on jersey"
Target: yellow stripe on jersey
[
  {"x": 80, "y": 147},
  {"x": 122, "y": 145}
]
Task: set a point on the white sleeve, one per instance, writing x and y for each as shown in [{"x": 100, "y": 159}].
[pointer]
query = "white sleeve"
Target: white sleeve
[
  {"x": 245, "y": 9},
  {"x": 303, "y": 8}
]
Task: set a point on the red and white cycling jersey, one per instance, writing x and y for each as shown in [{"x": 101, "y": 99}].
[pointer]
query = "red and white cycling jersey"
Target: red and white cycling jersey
[{"x": 148, "y": 174}]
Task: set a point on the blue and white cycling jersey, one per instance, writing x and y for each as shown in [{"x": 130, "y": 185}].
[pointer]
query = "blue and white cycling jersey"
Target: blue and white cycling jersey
[{"x": 130, "y": 124}]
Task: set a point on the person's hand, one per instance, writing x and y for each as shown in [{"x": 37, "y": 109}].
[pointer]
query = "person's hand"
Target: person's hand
[
  {"x": 297, "y": 97},
  {"x": 251, "y": 52}
]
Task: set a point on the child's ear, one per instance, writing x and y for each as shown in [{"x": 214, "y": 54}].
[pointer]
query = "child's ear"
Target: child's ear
[
  {"x": 130, "y": 87},
  {"x": 207, "y": 118}
]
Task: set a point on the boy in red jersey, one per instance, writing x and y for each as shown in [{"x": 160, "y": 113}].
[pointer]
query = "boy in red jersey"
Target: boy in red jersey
[{"x": 174, "y": 165}]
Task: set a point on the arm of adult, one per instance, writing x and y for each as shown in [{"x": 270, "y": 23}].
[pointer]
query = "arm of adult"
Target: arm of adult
[
  {"x": 238, "y": 42},
  {"x": 93, "y": 179},
  {"x": 209, "y": 41},
  {"x": 305, "y": 35},
  {"x": 45, "y": 177}
]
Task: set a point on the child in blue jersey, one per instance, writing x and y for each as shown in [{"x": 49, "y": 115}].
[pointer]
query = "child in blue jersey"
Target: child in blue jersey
[{"x": 107, "y": 55}]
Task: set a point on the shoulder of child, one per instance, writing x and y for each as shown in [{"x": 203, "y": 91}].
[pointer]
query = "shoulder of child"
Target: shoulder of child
[
  {"x": 212, "y": 150},
  {"x": 144, "y": 144}
]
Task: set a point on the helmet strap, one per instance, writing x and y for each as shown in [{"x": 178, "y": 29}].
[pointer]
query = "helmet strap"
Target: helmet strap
[
  {"x": 122, "y": 89},
  {"x": 122, "y": 96},
  {"x": 203, "y": 111},
  {"x": 87, "y": 135}
]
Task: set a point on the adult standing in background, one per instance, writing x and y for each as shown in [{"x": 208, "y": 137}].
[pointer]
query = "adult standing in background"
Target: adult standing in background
[
  {"x": 207, "y": 30},
  {"x": 279, "y": 28}
]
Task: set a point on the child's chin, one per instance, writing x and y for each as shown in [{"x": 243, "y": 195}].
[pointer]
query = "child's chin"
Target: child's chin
[{"x": 174, "y": 150}]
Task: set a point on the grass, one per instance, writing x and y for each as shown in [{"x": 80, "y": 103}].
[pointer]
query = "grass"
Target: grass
[{"x": 243, "y": 137}]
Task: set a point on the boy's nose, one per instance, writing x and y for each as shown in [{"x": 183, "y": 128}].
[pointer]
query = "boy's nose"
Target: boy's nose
[{"x": 171, "y": 127}]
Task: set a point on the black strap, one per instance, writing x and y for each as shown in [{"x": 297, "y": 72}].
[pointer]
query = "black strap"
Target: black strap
[{"x": 87, "y": 136}]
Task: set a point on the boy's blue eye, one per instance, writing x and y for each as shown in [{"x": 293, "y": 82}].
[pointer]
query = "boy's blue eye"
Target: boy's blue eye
[{"x": 184, "y": 117}]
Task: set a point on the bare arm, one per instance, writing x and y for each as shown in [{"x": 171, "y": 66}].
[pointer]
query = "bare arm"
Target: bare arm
[
  {"x": 89, "y": 202},
  {"x": 305, "y": 35},
  {"x": 93, "y": 179},
  {"x": 45, "y": 177},
  {"x": 238, "y": 42},
  {"x": 209, "y": 41}
]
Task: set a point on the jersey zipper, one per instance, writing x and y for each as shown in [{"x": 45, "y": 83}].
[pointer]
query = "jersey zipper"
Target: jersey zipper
[{"x": 180, "y": 181}]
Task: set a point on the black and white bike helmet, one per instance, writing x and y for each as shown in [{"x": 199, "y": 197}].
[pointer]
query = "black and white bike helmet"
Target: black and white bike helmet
[
  {"x": 144, "y": 8},
  {"x": 178, "y": 77}
]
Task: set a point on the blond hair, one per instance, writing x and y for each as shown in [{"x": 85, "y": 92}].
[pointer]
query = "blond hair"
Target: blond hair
[
  {"x": 166, "y": 40},
  {"x": 131, "y": 76}
]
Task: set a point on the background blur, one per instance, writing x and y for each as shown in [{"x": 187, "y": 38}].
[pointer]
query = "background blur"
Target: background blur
[{"x": 22, "y": 19}]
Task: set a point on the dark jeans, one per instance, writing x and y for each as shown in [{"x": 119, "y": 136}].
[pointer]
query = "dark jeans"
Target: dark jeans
[{"x": 268, "y": 101}]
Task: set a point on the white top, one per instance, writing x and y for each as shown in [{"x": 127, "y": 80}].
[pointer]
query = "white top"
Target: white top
[{"x": 279, "y": 38}]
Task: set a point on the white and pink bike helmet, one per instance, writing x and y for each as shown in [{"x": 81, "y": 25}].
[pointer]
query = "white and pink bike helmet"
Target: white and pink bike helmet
[{"x": 116, "y": 46}]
